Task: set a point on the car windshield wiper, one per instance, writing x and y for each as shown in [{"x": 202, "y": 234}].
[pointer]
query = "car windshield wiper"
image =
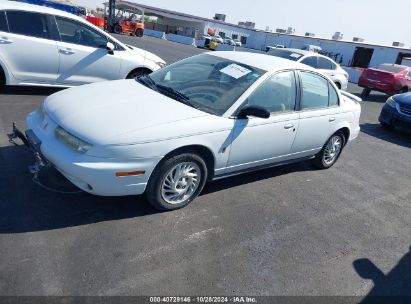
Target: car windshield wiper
[
  {"x": 147, "y": 81},
  {"x": 181, "y": 96}
]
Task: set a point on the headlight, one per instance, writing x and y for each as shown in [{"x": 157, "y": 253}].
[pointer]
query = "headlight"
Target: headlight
[
  {"x": 391, "y": 102},
  {"x": 72, "y": 141},
  {"x": 161, "y": 64}
]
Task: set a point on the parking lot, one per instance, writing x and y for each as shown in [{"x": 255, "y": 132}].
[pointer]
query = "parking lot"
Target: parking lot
[{"x": 291, "y": 230}]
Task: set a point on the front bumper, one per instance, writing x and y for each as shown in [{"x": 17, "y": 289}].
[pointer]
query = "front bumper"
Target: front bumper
[
  {"x": 94, "y": 175},
  {"x": 393, "y": 116}
]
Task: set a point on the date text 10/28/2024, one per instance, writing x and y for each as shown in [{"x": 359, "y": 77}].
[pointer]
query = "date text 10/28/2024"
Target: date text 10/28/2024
[{"x": 202, "y": 299}]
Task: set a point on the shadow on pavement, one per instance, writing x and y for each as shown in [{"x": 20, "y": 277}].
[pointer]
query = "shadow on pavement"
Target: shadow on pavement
[
  {"x": 377, "y": 97},
  {"x": 259, "y": 175},
  {"x": 27, "y": 90},
  {"x": 396, "y": 283},
  {"x": 398, "y": 136},
  {"x": 28, "y": 207}
]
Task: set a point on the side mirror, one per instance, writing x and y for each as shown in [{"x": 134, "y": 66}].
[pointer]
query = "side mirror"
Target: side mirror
[
  {"x": 255, "y": 111},
  {"x": 110, "y": 46}
]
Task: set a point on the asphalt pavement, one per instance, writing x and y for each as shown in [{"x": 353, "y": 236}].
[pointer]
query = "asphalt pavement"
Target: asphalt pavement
[{"x": 291, "y": 230}]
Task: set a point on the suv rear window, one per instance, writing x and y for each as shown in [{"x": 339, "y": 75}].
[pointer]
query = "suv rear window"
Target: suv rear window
[
  {"x": 28, "y": 24},
  {"x": 3, "y": 22}
]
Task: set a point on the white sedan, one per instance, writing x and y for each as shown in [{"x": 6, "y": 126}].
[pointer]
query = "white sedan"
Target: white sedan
[
  {"x": 48, "y": 47},
  {"x": 322, "y": 63},
  {"x": 203, "y": 118}
]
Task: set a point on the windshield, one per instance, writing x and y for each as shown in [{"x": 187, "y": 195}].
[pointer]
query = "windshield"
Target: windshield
[
  {"x": 205, "y": 82},
  {"x": 391, "y": 68},
  {"x": 285, "y": 54}
]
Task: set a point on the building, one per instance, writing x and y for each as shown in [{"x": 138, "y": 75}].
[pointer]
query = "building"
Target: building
[{"x": 356, "y": 53}]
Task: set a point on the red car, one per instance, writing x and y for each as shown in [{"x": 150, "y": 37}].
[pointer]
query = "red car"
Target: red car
[{"x": 387, "y": 78}]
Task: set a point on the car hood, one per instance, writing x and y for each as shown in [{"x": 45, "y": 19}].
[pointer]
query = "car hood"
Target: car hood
[
  {"x": 100, "y": 113},
  {"x": 403, "y": 99}
]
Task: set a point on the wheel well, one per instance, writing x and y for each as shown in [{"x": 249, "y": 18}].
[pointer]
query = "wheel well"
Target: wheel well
[
  {"x": 2, "y": 77},
  {"x": 405, "y": 88},
  {"x": 139, "y": 69},
  {"x": 346, "y": 133},
  {"x": 202, "y": 151},
  {"x": 338, "y": 84}
]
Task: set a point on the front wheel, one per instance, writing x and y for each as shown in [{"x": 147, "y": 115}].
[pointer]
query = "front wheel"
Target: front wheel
[
  {"x": 137, "y": 73},
  {"x": 176, "y": 182},
  {"x": 139, "y": 32},
  {"x": 329, "y": 154},
  {"x": 386, "y": 126},
  {"x": 117, "y": 28}
]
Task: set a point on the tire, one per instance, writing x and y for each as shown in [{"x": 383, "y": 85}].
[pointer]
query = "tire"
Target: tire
[
  {"x": 326, "y": 158},
  {"x": 365, "y": 93},
  {"x": 139, "y": 32},
  {"x": 165, "y": 194},
  {"x": 117, "y": 29},
  {"x": 404, "y": 90},
  {"x": 137, "y": 73},
  {"x": 387, "y": 126}
]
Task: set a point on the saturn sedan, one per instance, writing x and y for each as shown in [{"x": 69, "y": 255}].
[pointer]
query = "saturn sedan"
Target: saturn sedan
[{"x": 204, "y": 118}]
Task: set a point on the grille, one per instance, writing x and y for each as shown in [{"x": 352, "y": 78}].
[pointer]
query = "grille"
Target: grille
[{"x": 405, "y": 110}]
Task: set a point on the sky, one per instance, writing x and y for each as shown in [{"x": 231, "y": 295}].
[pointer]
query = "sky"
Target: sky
[{"x": 377, "y": 21}]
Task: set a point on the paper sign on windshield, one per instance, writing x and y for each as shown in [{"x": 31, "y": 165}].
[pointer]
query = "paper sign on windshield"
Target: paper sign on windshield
[{"x": 236, "y": 71}]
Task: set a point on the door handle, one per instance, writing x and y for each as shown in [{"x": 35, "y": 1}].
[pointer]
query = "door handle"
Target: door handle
[
  {"x": 67, "y": 51},
  {"x": 332, "y": 119},
  {"x": 289, "y": 126}
]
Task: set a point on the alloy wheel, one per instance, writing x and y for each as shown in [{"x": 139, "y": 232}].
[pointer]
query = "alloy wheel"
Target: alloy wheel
[{"x": 180, "y": 182}]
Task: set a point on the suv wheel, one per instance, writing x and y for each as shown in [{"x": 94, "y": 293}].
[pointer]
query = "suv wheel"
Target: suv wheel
[
  {"x": 176, "y": 182},
  {"x": 365, "y": 93},
  {"x": 331, "y": 151}
]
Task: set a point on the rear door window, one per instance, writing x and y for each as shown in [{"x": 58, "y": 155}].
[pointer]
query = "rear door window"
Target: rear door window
[
  {"x": 325, "y": 64},
  {"x": 314, "y": 91},
  {"x": 3, "y": 22},
  {"x": 28, "y": 24},
  {"x": 311, "y": 61}
]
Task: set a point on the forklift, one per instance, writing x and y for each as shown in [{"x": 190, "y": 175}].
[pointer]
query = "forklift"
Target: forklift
[{"x": 118, "y": 24}]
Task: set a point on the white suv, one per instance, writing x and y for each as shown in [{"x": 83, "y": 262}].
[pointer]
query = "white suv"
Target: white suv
[
  {"x": 322, "y": 63},
  {"x": 44, "y": 46}
]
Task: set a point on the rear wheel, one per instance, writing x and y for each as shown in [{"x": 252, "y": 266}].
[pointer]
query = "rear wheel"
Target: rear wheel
[
  {"x": 331, "y": 151},
  {"x": 404, "y": 90},
  {"x": 117, "y": 28},
  {"x": 365, "y": 93},
  {"x": 176, "y": 182},
  {"x": 139, "y": 32}
]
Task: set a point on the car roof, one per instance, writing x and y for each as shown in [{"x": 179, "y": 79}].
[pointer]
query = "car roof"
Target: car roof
[
  {"x": 298, "y": 51},
  {"x": 21, "y": 6},
  {"x": 261, "y": 61}
]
